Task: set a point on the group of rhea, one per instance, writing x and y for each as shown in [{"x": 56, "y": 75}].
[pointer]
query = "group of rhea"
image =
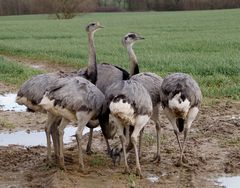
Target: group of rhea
[{"x": 107, "y": 95}]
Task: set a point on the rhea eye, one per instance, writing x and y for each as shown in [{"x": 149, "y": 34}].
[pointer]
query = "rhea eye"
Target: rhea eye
[
  {"x": 132, "y": 36},
  {"x": 126, "y": 37},
  {"x": 92, "y": 24}
]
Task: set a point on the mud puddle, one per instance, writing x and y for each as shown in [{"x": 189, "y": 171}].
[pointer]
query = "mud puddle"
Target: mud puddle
[
  {"x": 153, "y": 178},
  {"x": 34, "y": 138},
  {"x": 229, "y": 182},
  {"x": 7, "y": 103}
]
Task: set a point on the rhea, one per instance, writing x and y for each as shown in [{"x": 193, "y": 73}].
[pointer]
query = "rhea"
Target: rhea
[
  {"x": 181, "y": 98},
  {"x": 76, "y": 100},
  {"x": 130, "y": 104},
  {"x": 152, "y": 83}
]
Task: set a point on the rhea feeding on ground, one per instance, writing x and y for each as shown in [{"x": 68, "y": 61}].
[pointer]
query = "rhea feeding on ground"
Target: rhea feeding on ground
[
  {"x": 181, "y": 98},
  {"x": 152, "y": 83},
  {"x": 130, "y": 105}
]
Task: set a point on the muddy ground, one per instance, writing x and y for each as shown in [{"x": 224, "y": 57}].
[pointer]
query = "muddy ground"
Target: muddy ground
[{"x": 212, "y": 151}]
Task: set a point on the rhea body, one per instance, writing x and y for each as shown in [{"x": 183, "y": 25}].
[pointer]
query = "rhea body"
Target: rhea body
[{"x": 181, "y": 98}]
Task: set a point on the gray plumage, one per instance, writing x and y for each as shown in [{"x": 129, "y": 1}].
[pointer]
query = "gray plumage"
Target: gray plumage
[
  {"x": 152, "y": 82},
  {"x": 180, "y": 82},
  {"x": 134, "y": 93},
  {"x": 130, "y": 105},
  {"x": 181, "y": 98},
  {"x": 34, "y": 88},
  {"x": 76, "y": 94},
  {"x": 107, "y": 74},
  {"x": 77, "y": 100}
]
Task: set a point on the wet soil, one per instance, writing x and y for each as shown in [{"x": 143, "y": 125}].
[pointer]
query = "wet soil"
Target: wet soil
[{"x": 212, "y": 151}]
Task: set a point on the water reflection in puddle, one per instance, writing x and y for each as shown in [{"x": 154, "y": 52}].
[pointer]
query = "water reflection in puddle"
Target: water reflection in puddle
[
  {"x": 153, "y": 178},
  {"x": 37, "y": 66},
  {"x": 229, "y": 182},
  {"x": 36, "y": 138},
  {"x": 7, "y": 102}
]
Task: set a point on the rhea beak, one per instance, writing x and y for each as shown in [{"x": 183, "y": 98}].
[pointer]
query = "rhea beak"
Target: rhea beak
[
  {"x": 141, "y": 38},
  {"x": 99, "y": 26}
]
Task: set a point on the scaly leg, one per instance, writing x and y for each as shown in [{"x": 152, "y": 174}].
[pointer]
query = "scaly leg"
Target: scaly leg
[
  {"x": 61, "y": 128},
  {"x": 89, "y": 144},
  {"x": 140, "y": 143},
  {"x": 55, "y": 137},
  {"x": 83, "y": 118},
  {"x": 91, "y": 125},
  {"x": 120, "y": 131},
  {"x": 50, "y": 122},
  {"x": 190, "y": 118},
  {"x": 140, "y": 123},
  {"x": 157, "y": 158}
]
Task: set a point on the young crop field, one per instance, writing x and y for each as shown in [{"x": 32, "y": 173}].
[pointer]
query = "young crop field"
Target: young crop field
[
  {"x": 204, "y": 44},
  {"x": 13, "y": 73}
]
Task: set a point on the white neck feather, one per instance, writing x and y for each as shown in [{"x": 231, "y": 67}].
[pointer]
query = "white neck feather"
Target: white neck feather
[{"x": 177, "y": 103}]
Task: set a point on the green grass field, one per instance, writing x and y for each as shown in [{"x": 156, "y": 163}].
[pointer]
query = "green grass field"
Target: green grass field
[
  {"x": 205, "y": 44},
  {"x": 13, "y": 73}
]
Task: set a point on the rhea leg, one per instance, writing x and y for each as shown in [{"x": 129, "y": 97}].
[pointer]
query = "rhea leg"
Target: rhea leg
[
  {"x": 140, "y": 143},
  {"x": 89, "y": 144},
  {"x": 190, "y": 118},
  {"x": 83, "y": 118},
  {"x": 140, "y": 123},
  {"x": 156, "y": 118},
  {"x": 91, "y": 125},
  {"x": 157, "y": 158},
  {"x": 61, "y": 128},
  {"x": 122, "y": 137},
  {"x": 50, "y": 122},
  {"x": 55, "y": 137},
  {"x": 172, "y": 118}
]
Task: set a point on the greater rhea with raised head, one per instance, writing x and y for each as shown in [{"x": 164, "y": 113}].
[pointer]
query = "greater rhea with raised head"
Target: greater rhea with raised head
[
  {"x": 181, "y": 98},
  {"x": 152, "y": 82},
  {"x": 76, "y": 99},
  {"x": 130, "y": 105}
]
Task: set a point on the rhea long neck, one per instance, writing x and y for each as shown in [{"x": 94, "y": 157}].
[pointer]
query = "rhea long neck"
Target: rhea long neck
[
  {"x": 134, "y": 69},
  {"x": 92, "y": 65}
]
